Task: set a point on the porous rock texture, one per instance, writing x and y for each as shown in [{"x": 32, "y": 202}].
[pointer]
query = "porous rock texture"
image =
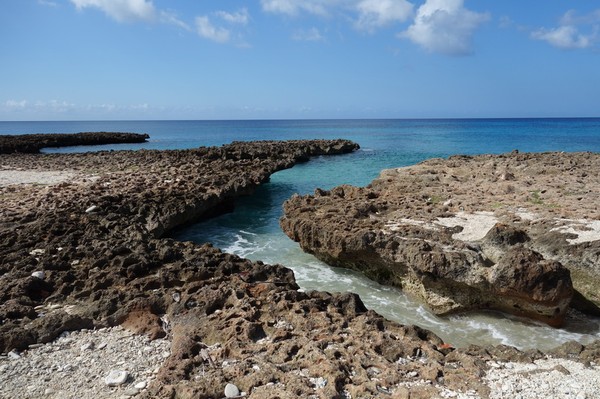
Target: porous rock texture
[
  {"x": 513, "y": 232},
  {"x": 90, "y": 253}
]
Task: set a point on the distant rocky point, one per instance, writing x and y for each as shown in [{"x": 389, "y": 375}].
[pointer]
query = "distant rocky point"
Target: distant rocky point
[
  {"x": 514, "y": 232},
  {"x": 33, "y": 143}
]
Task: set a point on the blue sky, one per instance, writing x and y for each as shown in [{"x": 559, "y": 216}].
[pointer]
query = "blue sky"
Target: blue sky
[{"x": 280, "y": 59}]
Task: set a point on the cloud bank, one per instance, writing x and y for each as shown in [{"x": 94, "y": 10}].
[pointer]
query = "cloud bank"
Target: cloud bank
[{"x": 439, "y": 26}]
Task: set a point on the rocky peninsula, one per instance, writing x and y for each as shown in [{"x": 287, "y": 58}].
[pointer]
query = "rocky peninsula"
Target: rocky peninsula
[
  {"x": 97, "y": 302},
  {"x": 33, "y": 143},
  {"x": 519, "y": 233}
]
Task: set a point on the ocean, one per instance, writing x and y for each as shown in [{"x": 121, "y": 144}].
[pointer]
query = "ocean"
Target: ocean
[{"x": 252, "y": 230}]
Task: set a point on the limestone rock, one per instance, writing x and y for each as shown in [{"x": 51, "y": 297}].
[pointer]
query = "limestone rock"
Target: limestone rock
[
  {"x": 231, "y": 391},
  {"x": 116, "y": 378},
  {"x": 450, "y": 233}
]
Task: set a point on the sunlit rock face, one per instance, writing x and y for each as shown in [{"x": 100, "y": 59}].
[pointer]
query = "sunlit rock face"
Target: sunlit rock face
[{"x": 496, "y": 232}]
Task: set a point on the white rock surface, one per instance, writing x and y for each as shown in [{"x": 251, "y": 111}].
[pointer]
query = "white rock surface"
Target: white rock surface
[
  {"x": 39, "y": 274},
  {"x": 231, "y": 391},
  {"x": 546, "y": 378},
  {"x": 116, "y": 378}
]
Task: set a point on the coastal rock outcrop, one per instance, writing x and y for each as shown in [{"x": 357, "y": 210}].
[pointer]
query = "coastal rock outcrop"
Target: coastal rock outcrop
[
  {"x": 33, "y": 143},
  {"x": 98, "y": 240},
  {"x": 502, "y": 232}
]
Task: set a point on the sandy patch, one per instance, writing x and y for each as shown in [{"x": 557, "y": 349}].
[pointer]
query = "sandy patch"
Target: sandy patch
[
  {"x": 10, "y": 177},
  {"x": 475, "y": 225},
  {"x": 586, "y": 230}
]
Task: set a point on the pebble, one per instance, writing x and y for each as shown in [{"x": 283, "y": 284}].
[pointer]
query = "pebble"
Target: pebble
[
  {"x": 319, "y": 382},
  {"x": 131, "y": 392},
  {"x": 231, "y": 391},
  {"x": 87, "y": 346},
  {"x": 140, "y": 385},
  {"x": 116, "y": 378},
  {"x": 39, "y": 275},
  {"x": 91, "y": 209}
]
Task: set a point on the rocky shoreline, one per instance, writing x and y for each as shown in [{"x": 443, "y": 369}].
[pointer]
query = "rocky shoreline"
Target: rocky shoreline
[
  {"x": 33, "y": 143},
  {"x": 515, "y": 232},
  {"x": 88, "y": 253}
]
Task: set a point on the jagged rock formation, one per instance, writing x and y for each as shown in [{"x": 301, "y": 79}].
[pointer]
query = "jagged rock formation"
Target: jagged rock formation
[
  {"x": 33, "y": 143},
  {"x": 485, "y": 232},
  {"x": 90, "y": 252},
  {"x": 78, "y": 234}
]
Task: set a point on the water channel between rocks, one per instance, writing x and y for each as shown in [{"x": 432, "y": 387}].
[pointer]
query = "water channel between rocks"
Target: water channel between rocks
[{"x": 252, "y": 231}]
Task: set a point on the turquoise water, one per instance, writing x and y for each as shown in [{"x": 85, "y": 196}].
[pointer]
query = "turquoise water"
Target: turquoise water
[{"x": 252, "y": 230}]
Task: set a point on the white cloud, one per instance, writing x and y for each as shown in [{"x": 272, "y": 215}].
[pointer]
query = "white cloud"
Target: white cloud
[
  {"x": 564, "y": 37},
  {"x": 293, "y": 7},
  {"x": 240, "y": 17},
  {"x": 121, "y": 10},
  {"x": 567, "y": 35},
  {"x": 170, "y": 18},
  {"x": 47, "y": 3},
  {"x": 571, "y": 18},
  {"x": 308, "y": 35},
  {"x": 15, "y": 104},
  {"x": 444, "y": 26},
  {"x": 377, "y": 13},
  {"x": 206, "y": 29}
]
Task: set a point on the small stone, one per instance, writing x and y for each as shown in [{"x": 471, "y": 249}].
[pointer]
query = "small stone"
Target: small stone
[
  {"x": 141, "y": 385},
  {"x": 87, "y": 346},
  {"x": 131, "y": 392},
  {"x": 581, "y": 395},
  {"x": 319, "y": 382},
  {"x": 48, "y": 391},
  {"x": 102, "y": 345},
  {"x": 14, "y": 355},
  {"x": 37, "y": 251},
  {"x": 231, "y": 391},
  {"x": 116, "y": 378},
  {"x": 39, "y": 275},
  {"x": 92, "y": 209}
]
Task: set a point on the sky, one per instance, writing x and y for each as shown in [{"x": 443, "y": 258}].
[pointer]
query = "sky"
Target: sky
[{"x": 298, "y": 59}]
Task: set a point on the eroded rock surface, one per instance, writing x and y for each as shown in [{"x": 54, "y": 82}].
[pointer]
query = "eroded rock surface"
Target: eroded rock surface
[
  {"x": 90, "y": 252},
  {"x": 513, "y": 232}
]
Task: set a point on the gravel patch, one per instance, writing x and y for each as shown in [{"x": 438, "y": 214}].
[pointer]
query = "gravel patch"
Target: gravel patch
[
  {"x": 10, "y": 177},
  {"x": 81, "y": 365},
  {"x": 545, "y": 378}
]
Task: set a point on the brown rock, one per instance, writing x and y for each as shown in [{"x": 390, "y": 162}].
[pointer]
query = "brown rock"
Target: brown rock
[{"x": 497, "y": 248}]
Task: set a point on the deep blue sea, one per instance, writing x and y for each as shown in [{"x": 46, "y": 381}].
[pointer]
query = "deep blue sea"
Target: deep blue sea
[{"x": 252, "y": 230}]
